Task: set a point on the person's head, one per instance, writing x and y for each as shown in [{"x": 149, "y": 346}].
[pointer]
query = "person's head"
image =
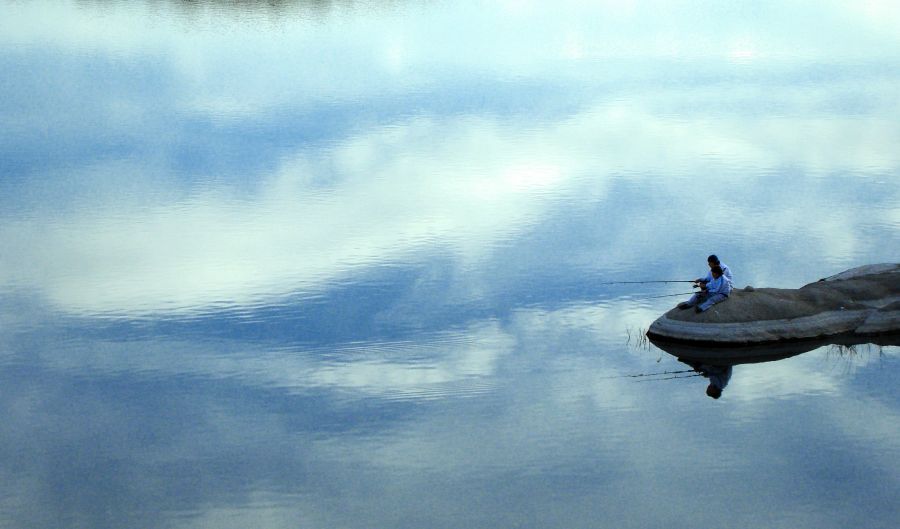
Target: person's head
[
  {"x": 713, "y": 391},
  {"x": 712, "y": 260},
  {"x": 716, "y": 271}
]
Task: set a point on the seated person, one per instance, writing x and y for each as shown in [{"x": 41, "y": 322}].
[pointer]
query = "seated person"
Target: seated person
[
  {"x": 712, "y": 292},
  {"x": 712, "y": 261}
]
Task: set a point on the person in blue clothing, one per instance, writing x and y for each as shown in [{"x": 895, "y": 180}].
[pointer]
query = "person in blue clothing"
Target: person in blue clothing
[
  {"x": 712, "y": 261},
  {"x": 711, "y": 292}
]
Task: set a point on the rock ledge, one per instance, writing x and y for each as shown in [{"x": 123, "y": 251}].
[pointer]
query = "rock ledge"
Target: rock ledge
[{"x": 860, "y": 301}]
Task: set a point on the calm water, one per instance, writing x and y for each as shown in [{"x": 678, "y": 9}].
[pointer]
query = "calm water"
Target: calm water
[{"x": 340, "y": 264}]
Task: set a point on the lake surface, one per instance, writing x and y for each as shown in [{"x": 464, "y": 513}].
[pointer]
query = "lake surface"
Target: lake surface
[{"x": 346, "y": 264}]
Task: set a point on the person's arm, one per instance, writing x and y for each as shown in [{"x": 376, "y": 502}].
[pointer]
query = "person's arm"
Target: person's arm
[{"x": 717, "y": 285}]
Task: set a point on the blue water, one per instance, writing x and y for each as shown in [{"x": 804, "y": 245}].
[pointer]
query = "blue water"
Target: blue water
[{"x": 342, "y": 264}]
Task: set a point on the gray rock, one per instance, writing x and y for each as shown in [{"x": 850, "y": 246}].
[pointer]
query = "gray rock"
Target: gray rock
[{"x": 862, "y": 301}]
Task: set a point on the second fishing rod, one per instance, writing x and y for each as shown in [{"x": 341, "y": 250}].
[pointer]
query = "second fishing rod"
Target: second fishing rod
[{"x": 648, "y": 282}]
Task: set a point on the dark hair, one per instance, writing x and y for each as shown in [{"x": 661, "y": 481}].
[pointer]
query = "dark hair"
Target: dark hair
[
  {"x": 712, "y": 259},
  {"x": 717, "y": 270},
  {"x": 713, "y": 391}
]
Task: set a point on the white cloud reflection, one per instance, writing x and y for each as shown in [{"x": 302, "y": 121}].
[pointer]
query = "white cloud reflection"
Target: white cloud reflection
[
  {"x": 387, "y": 195},
  {"x": 457, "y": 363},
  {"x": 138, "y": 238},
  {"x": 466, "y": 182},
  {"x": 558, "y": 415},
  {"x": 287, "y": 54}
]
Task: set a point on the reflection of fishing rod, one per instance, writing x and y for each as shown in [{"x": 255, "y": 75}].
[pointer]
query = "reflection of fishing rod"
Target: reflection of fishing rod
[
  {"x": 650, "y": 374},
  {"x": 669, "y": 378}
]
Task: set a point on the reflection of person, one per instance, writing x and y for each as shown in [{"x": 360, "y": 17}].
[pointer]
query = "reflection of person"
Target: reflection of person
[
  {"x": 718, "y": 376},
  {"x": 711, "y": 292}
]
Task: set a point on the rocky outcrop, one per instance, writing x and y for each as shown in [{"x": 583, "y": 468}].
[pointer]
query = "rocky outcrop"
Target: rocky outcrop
[{"x": 861, "y": 301}]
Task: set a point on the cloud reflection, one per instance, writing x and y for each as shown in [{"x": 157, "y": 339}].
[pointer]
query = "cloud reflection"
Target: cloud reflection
[
  {"x": 254, "y": 431},
  {"x": 448, "y": 364},
  {"x": 395, "y": 193},
  {"x": 207, "y": 180}
]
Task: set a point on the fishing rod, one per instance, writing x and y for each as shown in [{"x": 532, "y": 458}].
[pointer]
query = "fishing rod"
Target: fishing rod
[
  {"x": 647, "y": 282},
  {"x": 665, "y": 296}
]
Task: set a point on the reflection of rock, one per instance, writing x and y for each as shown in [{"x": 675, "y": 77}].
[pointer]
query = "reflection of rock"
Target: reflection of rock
[
  {"x": 864, "y": 301},
  {"x": 751, "y": 354}
]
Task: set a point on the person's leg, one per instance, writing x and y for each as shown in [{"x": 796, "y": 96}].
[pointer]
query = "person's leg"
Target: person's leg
[
  {"x": 712, "y": 300},
  {"x": 696, "y": 298}
]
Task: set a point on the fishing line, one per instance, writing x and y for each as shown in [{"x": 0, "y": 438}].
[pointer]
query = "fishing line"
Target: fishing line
[
  {"x": 664, "y": 296},
  {"x": 644, "y": 282}
]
